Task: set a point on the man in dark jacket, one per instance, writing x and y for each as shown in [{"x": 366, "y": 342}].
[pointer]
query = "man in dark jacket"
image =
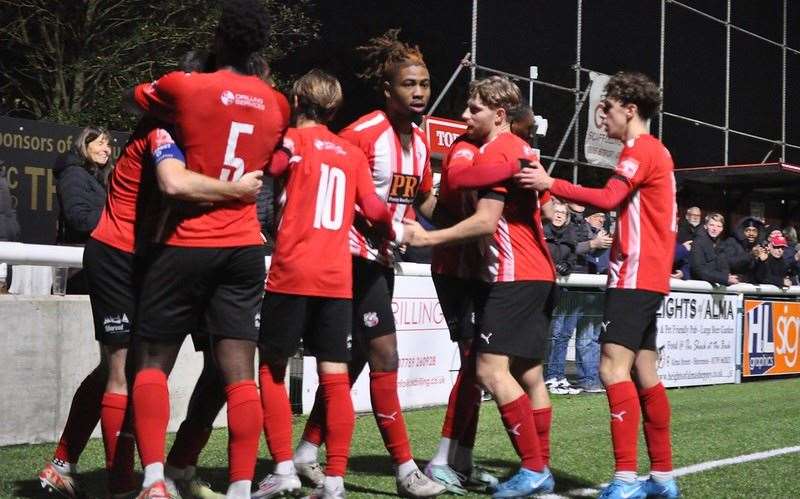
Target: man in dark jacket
[
  {"x": 771, "y": 268},
  {"x": 689, "y": 227},
  {"x": 748, "y": 236},
  {"x": 708, "y": 260},
  {"x": 9, "y": 226}
]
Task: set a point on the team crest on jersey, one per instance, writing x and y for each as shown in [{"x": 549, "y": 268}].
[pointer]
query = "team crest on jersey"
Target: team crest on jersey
[
  {"x": 628, "y": 168},
  {"x": 371, "y": 319},
  {"x": 227, "y": 97},
  {"x": 403, "y": 188}
]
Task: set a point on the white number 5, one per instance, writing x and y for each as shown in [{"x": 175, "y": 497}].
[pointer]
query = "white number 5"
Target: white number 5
[{"x": 232, "y": 164}]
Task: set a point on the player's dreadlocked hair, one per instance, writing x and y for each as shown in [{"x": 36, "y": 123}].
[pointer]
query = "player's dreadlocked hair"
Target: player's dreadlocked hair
[
  {"x": 635, "y": 88},
  {"x": 244, "y": 26},
  {"x": 385, "y": 55}
]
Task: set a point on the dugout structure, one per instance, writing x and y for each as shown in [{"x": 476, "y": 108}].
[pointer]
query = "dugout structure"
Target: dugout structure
[{"x": 726, "y": 68}]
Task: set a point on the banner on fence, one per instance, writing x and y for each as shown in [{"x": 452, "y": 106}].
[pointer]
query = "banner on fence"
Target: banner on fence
[
  {"x": 697, "y": 339},
  {"x": 429, "y": 361},
  {"x": 771, "y": 338}
]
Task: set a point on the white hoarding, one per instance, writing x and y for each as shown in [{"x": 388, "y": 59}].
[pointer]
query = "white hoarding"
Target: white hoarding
[{"x": 697, "y": 339}]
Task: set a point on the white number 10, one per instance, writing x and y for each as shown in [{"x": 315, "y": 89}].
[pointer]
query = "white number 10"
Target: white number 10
[
  {"x": 329, "y": 210},
  {"x": 232, "y": 164}
]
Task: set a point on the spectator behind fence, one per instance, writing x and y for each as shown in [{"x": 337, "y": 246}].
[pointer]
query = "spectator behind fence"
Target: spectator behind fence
[
  {"x": 9, "y": 226},
  {"x": 80, "y": 183},
  {"x": 790, "y": 252},
  {"x": 771, "y": 268},
  {"x": 561, "y": 239},
  {"x": 749, "y": 234},
  {"x": 708, "y": 259},
  {"x": 680, "y": 263},
  {"x": 592, "y": 251},
  {"x": 690, "y": 226}
]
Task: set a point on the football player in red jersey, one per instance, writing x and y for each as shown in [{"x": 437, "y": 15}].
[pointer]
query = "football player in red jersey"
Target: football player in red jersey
[
  {"x": 309, "y": 288},
  {"x": 399, "y": 159},
  {"x": 514, "y": 314},
  {"x": 111, "y": 259},
  {"x": 209, "y": 271},
  {"x": 458, "y": 287},
  {"x": 643, "y": 189}
]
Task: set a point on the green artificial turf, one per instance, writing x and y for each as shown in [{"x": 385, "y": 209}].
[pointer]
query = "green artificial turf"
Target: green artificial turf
[{"x": 709, "y": 424}]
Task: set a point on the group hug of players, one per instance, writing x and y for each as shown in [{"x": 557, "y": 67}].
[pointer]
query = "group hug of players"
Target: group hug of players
[{"x": 206, "y": 139}]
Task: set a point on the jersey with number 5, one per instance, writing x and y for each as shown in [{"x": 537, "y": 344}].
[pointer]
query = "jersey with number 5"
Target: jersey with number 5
[
  {"x": 228, "y": 124},
  {"x": 327, "y": 177}
]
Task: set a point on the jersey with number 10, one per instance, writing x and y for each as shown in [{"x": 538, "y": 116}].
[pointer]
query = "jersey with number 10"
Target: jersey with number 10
[
  {"x": 228, "y": 124},
  {"x": 327, "y": 177}
]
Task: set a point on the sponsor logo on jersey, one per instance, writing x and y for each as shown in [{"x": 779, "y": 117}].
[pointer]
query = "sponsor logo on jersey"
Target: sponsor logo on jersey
[
  {"x": 403, "y": 188},
  {"x": 116, "y": 323},
  {"x": 228, "y": 98},
  {"x": 463, "y": 153},
  {"x": 324, "y": 145},
  {"x": 628, "y": 168}
]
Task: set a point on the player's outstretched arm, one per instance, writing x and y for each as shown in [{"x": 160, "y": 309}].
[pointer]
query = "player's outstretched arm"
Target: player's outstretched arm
[
  {"x": 468, "y": 176},
  {"x": 482, "y": 223},
  {"x": 605, "y": 198},
  {"x": 177, "y": 182}
]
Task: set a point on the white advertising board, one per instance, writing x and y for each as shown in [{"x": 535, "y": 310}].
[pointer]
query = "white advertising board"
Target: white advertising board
[{"x": 697, "y": 339}]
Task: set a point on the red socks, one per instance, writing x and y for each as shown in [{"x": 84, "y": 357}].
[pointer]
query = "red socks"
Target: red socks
[
  {"x": 388, "y": 415},
  {"x": 244, "y": 428},
  {"x": 623, "y": 402},
  {"x": 544, "y": 419},
  {"x": 277, "y": 415},
  {"x": 189, "y": 442},
  {"x": 118, "y": 443},
  {"x": 656, "y": 412},
  {"x": 84, "y": 413},
  {"x": 461, "y": 419},
  {"x": 313, "y": 432},
  {"x": 521, "y": 427},
  {"x": 151, "y": 414},
  {"x": 340, "y": 423}
]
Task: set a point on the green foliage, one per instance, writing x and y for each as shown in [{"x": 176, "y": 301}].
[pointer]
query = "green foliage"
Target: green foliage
[
  {"x": 70, "y": 61},
  {"x": 708, "y": 423}
]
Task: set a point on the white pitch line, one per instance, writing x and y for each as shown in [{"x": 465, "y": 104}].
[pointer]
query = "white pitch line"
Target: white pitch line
[{"x": 687, "y": 470}]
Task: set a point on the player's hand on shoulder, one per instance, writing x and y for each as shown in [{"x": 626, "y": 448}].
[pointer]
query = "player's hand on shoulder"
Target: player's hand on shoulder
[
  {"x": 533, "y": 178},
  {"x": 250, "y": 185}
]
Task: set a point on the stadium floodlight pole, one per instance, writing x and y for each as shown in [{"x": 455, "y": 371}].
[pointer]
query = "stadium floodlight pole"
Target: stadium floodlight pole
[
  {"x": 461, "y": 65},
  {"x": 572, "y": 122}
]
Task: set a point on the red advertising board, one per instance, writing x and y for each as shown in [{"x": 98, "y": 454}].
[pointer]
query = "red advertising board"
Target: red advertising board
[
  {"x": 771, "y": 342},
  {"x": 441, "y": 133}
]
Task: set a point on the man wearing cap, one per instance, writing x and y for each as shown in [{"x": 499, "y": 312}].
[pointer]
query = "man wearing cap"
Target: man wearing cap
[{"x": 770, "y": 265}]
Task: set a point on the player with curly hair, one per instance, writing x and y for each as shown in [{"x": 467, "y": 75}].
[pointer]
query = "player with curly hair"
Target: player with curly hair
[{"x": 399, "y": 158}]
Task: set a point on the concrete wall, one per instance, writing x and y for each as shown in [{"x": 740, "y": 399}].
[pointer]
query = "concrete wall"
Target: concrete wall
[{"x": 47, "y": 347}]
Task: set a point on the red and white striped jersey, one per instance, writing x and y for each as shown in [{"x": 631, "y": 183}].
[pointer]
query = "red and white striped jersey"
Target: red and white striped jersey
[
  {"x": 644, "y": 242},
  {"x": 400, "y": 170},
  {"x": 460, "y": 260},
  {"x": 517, "y": 251}
]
